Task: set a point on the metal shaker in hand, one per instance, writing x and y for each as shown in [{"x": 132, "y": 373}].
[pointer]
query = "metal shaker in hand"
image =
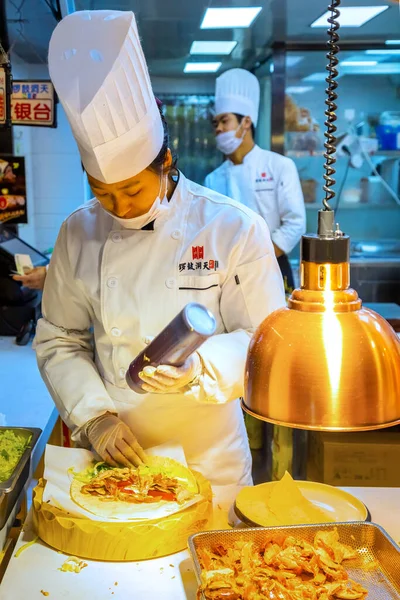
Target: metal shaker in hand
[{"x": 173, "y": 346}]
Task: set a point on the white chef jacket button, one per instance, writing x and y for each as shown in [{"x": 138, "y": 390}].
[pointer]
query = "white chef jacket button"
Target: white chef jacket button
[
  {"x": 116, "y": 237},
  {"x": 112, "y": 282},
  {"x": 122, "y": 372},
  {"x": 170, "y": 283},
  {"x": 176, "y": 234},
  {"x": 115, "y": 332}
]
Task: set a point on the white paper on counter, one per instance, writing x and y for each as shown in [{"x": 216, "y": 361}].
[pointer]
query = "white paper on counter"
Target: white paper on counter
[{"x": 58, "y": 461}]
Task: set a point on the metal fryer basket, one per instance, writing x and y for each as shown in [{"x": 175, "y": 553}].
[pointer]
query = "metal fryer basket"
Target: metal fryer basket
[{"x": 377, "y": 568}]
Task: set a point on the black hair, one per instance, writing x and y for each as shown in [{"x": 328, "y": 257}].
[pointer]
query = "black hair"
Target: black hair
[
  {"x": 158, "y": 163},
  {"x": 240, "y": 119}
]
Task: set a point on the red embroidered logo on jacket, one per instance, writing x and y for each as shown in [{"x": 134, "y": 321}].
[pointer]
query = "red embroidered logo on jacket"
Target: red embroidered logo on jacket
[
  {"x": 197, "y": 252},
  {"x": 264, "y": 178}
]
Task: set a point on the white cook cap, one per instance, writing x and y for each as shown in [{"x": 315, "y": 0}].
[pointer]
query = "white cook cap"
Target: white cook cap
[
  {"x": 238, "y": 91},
  {"x": 100, "y": 74}
]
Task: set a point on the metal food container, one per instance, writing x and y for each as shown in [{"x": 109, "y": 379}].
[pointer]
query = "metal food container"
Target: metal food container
[
  {"x": 377, "y": 568},
  {"x": 11, "y": 489}
]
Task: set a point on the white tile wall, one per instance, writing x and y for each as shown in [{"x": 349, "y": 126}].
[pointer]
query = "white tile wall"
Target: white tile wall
[
  {"x": 47, "y": 237},
  {"x": 53, "y": 169},
  {"x": 56, "y": 179},
  {"x": 22, "y": 147},
  {"x": 50, "y": 220}
]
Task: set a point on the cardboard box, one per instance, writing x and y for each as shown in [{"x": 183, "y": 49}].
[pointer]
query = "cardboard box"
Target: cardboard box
[{"x": 354, "y": 459}]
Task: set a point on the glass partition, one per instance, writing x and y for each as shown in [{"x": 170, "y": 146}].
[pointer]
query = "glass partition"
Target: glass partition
[{"x": 368, "y": 131}]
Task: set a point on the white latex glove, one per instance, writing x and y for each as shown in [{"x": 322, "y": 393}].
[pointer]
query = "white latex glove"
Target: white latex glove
[
  {"x": 113, "y": 440},
  {"x": 166, "y": 379}
]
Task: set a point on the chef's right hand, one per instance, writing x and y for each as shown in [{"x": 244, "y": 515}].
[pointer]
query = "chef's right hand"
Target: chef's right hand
[{"x": 113, "y": 440}]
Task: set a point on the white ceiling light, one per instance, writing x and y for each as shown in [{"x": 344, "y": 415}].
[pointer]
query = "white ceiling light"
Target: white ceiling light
[
  {"x": 388, "y": 52},
  {"x": 316, "y": 77},
  {"x": 358, "y": 63},
  {"x": 382, "y": 68},
  {"x": 352, "y": 16},
  {"x": 293, "y": 60},
  {"x": 360, "y": 57},
  {"x": 202, "y": 67},
  {"x": 212, "y": 47},
  {"x": 298, "y": 89},
  {"x": 221, "y": 18},
  {"x": 392, "y": 42}
]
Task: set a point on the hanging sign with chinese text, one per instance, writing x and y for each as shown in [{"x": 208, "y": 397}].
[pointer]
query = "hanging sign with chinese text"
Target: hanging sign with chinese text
[{"x": 33, "y": 103}]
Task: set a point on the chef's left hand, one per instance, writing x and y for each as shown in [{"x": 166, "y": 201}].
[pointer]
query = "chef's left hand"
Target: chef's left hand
[{"x": 167, "y": 379}]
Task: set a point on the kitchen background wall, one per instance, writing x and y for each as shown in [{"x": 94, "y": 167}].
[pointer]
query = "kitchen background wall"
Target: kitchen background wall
[
  {"x": 56, "y": 185},
  {"x": 364, "y": 216}
]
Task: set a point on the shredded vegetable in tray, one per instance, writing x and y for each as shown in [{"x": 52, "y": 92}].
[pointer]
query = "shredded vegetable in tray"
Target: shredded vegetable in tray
[
  {"x": 283, "y": 568},
  {"x": 12, "y": 447}
]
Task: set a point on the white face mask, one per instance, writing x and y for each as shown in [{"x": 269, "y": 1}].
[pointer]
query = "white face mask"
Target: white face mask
[
  {"x": 227, "y": 142},
  {"x": 159, "y": 206}
]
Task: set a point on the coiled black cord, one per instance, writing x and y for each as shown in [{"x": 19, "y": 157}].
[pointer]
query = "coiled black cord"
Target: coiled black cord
[{"x": 330, "y": 112}]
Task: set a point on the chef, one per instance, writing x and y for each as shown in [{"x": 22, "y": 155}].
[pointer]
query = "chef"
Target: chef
[
  {"x": 264, "y": 181},
  {"x": 128, "y": 261}
]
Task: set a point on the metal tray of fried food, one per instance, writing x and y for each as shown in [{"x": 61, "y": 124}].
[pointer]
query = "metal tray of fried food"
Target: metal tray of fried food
[
  {"x": 11, "y": 489},
  {"x": 377, "y": 569}
]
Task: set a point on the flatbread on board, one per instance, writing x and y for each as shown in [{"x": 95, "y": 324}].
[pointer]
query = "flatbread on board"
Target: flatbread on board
[
  {"x": 126, "y": 511},
  {"x": 277, "y": 504}
]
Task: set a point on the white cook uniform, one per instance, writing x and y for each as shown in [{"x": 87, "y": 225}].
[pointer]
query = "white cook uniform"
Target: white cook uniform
[
  {"x": 269, "y": 184},
  {"x": 129, "y": 284}
]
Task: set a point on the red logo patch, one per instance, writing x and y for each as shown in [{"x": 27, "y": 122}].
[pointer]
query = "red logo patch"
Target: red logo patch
[
  {"x": 197, "y": 252},
  {"x": 263, "y": 175}
]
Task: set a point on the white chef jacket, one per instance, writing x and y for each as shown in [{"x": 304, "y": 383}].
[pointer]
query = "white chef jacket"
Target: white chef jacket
[
  {"x": 269, "y": 184},
  {"x": 128, "y": 285}
]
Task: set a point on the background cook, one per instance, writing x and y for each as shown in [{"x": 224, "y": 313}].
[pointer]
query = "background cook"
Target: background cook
[
  {"x": 264, "y": 181},
  {"x": 127, "y": 262}
]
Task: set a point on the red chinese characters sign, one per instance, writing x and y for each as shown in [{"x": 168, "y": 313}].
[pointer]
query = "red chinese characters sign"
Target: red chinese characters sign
[{"x": 33, "y": 103}]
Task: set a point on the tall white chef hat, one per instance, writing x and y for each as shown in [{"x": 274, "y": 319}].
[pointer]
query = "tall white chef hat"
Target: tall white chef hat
[
  {"x": 238, "y": 91},
  {"x": 99, "y": 71}
]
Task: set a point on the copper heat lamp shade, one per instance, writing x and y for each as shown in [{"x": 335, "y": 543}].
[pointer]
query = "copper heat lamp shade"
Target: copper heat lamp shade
[{"x": 324, "y": 363}]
